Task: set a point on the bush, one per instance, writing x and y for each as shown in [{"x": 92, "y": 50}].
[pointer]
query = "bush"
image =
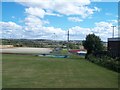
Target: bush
[
  {"x": 18, "y": 45},
  {"x": 105, "y": 61}
]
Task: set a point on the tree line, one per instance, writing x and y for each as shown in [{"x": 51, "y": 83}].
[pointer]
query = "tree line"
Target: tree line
[{"x": 96, "y": 53}]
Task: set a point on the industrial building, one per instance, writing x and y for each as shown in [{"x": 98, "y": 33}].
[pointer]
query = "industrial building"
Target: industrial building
[{"x": 114, "y": 47}]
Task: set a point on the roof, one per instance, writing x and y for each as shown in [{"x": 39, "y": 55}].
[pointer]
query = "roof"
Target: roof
[
  {"x": 77, "y": 51},
  {"x": 74, "y": 51},
  {"x": 114, "y": 39}
]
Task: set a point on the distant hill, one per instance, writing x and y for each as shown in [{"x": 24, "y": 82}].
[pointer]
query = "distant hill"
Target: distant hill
[
  {"x": 42, "y": 43},
  {"x": 38, "y": 42}
]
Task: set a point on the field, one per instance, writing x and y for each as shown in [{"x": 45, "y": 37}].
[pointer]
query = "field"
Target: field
[{"x": 24, "y": 71}]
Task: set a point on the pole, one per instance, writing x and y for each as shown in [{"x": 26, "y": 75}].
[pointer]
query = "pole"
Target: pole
[
  {"x": 68, "y": 40},
  {"x": 68, "y": 35},
  {"x": 113, "y": 31},
  {"x": 10, "y": 40}
]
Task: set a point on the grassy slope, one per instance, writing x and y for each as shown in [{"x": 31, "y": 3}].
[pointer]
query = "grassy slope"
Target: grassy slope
[{"x": 35, "y": 72}]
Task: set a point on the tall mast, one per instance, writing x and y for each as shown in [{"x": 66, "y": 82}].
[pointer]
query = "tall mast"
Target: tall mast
[{"x": 113, "y": 31}]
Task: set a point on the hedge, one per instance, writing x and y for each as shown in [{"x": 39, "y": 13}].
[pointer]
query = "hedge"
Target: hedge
[{"x": 105, "y": 61}]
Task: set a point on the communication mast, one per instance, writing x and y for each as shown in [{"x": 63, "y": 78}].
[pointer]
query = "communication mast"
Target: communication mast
[{"x": 113, "y": 31}]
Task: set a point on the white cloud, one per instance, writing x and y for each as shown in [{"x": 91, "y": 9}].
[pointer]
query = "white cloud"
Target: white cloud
[
  {"x": 78, "y": 33},
  {"x": 97, "y": 9},
  {"x": 75, "y": 19},
  {"x": 51, "y": 30},
  {"x": 103, "y": 24},
  {"x": 104, "y": 30},
  {"x": 46, "y": 22},
  {"x": 11, "y": 30},
  {"x": 33, "y": 21},
  {"x": 73, "y": 8},
  {"x": 50, "y": 13},
  {"x": 101, "y": 29},
  {"x": 76, "y": 7},
  {"x": 10, "y": 25},
  {"x": 113, "y": 21},
  {"x": 46, "y": 33},
  {"x": 35, "y": 11},
  {"x": 47, "y": 3}
]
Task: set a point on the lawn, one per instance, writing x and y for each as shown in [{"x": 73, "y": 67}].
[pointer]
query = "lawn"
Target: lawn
[{"x": 24, "y": 71}]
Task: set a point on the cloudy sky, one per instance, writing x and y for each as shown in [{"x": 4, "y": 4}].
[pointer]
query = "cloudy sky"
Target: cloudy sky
[{"x": 51, "y": 19}]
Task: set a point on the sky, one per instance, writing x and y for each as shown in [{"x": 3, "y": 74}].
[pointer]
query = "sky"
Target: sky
[{"x": 51, "y": 19}]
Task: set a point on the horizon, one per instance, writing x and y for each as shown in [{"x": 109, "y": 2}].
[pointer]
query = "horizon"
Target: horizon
[{"x": 48, "y": 39}]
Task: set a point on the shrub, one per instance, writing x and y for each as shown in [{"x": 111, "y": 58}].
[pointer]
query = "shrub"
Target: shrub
[{"x": 105, "y": 61}]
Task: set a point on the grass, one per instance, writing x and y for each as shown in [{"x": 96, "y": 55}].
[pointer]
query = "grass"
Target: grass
[{"x": 20, "y": 71}]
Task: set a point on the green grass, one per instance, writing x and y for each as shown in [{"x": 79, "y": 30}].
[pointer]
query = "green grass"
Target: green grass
[{"x": 20, "y": 71}]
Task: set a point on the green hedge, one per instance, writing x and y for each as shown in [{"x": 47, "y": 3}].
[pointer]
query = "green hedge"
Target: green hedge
[{"x": 105, "y": 61}]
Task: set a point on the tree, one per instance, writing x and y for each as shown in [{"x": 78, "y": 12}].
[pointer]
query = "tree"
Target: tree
[
  {"x": 93, "y": 44},
  {"x": 71, "y": 46}
]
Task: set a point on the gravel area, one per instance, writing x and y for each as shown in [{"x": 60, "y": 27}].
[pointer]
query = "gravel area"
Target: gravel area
[{"x": 26, "y": 50}]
